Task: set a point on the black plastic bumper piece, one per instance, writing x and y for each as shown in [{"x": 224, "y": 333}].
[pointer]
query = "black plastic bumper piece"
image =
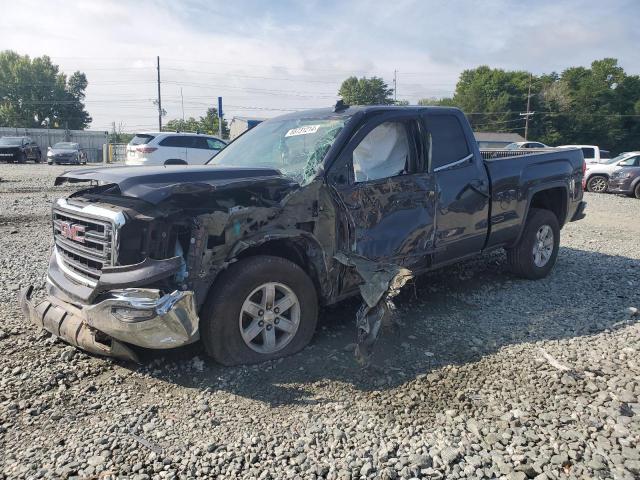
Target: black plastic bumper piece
[{"x": 579, "y": 213}]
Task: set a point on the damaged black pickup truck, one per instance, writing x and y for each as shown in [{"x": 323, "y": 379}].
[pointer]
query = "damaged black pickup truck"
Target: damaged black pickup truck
[{"x": 302, "y": 211}]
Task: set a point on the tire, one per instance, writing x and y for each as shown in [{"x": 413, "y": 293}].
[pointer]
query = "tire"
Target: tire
[
  {"x": 636, "y": 191},
  {"x": 221, "y": 319},
  {"x": 522, "y": 259},
  {"x": 175, "y": 161},
  {"x": 597, "y": 184}
]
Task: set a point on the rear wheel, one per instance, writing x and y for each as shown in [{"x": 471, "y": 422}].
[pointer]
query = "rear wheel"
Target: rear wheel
[
  {"x": 597, "y": 184},
  {"x": 536, "y": 253},
  {"x": 259, "y": 309}
]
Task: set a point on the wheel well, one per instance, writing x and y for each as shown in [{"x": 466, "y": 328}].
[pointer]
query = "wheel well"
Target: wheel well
[
  {"x": 605, "y": 175},
  {"x": 175, "y": 161},
  {"x": 554, "y": 200},
  {"x": 292, "y": 250}
]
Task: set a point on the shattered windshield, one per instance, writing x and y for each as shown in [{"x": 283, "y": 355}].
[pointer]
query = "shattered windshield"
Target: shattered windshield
[
  {"x": 65, "y": 146},
  {"x": 295, "y": 146}
]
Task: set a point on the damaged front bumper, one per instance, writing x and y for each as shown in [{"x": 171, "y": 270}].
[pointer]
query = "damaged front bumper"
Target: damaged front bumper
[{"x": 137, "y": 316}]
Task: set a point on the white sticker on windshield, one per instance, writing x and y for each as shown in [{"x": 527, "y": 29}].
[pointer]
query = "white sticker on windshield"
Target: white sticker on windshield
[{"x": 302, "y": 130}]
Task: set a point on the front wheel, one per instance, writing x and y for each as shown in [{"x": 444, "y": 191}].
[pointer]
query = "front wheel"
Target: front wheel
[
  {"x": 636, "y": 191},
  {"x": 535, "y": 254},
  {"x": 259, "y": 309},
  {"x": 597, "y": 184}
]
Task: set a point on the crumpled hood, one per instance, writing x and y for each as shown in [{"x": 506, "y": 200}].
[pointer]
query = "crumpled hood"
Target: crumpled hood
[{"x": 155, "y": 184}]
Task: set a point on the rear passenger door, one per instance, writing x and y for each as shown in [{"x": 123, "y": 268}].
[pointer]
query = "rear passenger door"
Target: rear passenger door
[
  {"x": 174, "y": 147},
  {"x": 462, "y": 189}
]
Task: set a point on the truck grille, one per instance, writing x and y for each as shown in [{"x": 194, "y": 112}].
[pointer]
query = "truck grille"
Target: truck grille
[{"x": 85, "y": 244}]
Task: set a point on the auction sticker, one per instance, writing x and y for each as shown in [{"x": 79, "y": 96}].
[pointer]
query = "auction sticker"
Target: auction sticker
[{"x": 302, "y": 130}]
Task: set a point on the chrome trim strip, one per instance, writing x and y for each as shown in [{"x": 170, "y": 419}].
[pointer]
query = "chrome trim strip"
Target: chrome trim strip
[
  {"x": 453, "y": 164},
  {"x": 115, "y": 219},
  {"x": 70, "y": 273}
]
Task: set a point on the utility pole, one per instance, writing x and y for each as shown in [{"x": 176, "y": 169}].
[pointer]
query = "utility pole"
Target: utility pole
[
  {"x": 395, "y": 86},
  {"x": 528, "y": 113},
  {"x": 219, "y": 117},
  {"x": 182, "y": 101},
  {"x": 159, "y": 99}
]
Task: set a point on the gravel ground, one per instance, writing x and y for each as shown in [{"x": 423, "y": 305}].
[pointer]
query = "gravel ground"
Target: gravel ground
[{"x": 483, "y": 376}]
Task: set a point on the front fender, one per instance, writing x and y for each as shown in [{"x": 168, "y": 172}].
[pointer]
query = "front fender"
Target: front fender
[{"x": 314, "y": 252}]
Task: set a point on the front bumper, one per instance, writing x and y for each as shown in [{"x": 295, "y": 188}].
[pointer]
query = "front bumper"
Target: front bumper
[
  {"x": 63, "y": 161},
  {"x": 138, "y": 316},
  {"x": 620, "y": 185},
  {"x": 9, "y": 157}
]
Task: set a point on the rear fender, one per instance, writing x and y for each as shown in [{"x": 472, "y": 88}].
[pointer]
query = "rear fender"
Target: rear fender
[{"x": 562, "y": 218}]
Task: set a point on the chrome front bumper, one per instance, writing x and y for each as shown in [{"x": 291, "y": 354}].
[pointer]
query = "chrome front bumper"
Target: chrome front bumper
[{"x": 137, "y": 316}]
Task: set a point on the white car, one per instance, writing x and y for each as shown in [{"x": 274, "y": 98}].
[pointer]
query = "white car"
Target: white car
[
  {"x": 596, "y": 178},
  {"x": 591, "y": 153},
  {"x": 172, "y": 148},
  {"x": 521, "y": 145}
]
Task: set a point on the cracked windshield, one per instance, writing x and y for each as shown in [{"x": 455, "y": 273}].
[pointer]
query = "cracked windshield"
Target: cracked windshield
[{"x": 296, "y": 147}]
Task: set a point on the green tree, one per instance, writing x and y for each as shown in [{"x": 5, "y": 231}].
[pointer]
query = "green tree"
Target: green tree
[
  {"x": 436, "y": 102},
  {"x": 493, "y": 98},
  {"x": 366, "y": 91},
  {"x": 597, "y": 105},
  {"x": 33, "y": 93},
  {"x": 206, "y": 124}
]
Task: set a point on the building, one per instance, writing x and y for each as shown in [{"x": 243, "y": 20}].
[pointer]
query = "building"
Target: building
[
  {"x": 496, "y": 139},
  {"x": 239, "y": 125}
]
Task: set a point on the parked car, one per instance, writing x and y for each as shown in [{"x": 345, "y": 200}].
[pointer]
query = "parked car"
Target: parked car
[
  {"x": 591, "y": 153},
  {"x": 303, "y": 210},
  {"x": 598, "y": 174},
  {"x": 521, "y": 145},
  {"x": 171, "y": 148},
  {"x": 68, "y": 153},
  {"x": 626, "y": 178},
  {"x": 19, "y": 150}
]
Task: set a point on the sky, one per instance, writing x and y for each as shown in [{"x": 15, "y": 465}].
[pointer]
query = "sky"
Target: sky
[{"x": 268, "y": 57}]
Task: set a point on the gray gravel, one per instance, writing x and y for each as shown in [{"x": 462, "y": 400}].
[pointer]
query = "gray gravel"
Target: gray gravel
[{"x": 483, "y": 376}]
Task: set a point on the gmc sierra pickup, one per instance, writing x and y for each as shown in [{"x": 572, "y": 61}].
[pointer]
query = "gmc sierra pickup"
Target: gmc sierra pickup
[{"x": 303, "y": 210}]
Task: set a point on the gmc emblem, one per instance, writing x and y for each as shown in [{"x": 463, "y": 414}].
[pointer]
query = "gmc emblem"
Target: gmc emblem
[{"x": 72, "y": 231}]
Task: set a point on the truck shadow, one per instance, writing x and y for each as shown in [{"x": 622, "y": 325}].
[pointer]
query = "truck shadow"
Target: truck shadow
[{"x": 451, "y": 316}]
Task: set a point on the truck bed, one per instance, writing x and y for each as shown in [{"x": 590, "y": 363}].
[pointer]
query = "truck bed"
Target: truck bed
[{"x": 516, "y": 179}]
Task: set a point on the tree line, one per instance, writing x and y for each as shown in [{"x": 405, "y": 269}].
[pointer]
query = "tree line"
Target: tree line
[{"x": 597, "y": 105}]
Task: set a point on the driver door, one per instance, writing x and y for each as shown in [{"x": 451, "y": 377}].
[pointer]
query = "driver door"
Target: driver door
[{"x": 383, "y": 182}]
